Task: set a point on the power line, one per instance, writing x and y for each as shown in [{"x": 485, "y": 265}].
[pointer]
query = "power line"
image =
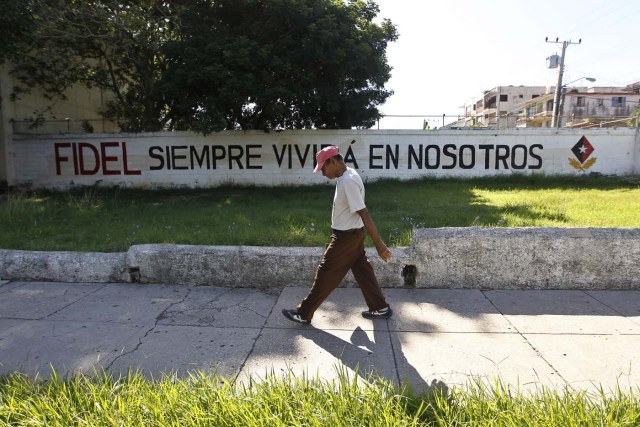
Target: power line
[
  {"x": 555, "y": 122},
  {"x": 603, "y": 23},
  {"x": 596, "y": 17}
]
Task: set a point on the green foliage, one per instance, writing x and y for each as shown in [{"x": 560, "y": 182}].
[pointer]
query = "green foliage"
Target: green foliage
[
  {"x": 208, "y": 65},
  {"x": 202, "y": 399},
  {"x": 16, "y": 25},
  {"x": 280, "y": 64},
  {"x": 109, "y": 44}
]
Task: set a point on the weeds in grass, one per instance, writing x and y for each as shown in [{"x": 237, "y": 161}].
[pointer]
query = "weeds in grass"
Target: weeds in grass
[
  {"x": 201, "y": 399},
  {"x": 111, "y": 220}
]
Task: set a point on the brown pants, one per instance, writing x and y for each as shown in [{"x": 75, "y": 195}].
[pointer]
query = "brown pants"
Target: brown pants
[{"x": 345, "y": 252}]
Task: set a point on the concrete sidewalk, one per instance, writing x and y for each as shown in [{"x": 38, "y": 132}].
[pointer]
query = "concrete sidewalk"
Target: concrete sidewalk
[{"x": 582, "y": 339}]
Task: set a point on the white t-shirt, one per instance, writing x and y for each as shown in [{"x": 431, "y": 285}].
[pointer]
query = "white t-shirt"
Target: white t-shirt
[{"x": 348, "y": 199}]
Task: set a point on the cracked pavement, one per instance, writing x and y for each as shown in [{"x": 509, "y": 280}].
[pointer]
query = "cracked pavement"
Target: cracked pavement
[{"x": 437, "y": 337}]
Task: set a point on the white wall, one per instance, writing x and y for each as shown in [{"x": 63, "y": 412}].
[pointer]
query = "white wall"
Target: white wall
[{"x": 186, "y": 159}]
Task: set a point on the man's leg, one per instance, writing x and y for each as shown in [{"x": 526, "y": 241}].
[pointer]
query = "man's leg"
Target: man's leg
[
  {"x": 338, "y": 259},
  {"x": 366, "y": 279}
]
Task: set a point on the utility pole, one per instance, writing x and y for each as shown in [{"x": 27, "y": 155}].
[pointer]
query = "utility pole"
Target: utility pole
[{"x": 555, "y": 116}]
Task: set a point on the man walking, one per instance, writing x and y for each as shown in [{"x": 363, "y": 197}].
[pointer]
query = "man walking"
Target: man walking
[{"x": 345, "y": 252}]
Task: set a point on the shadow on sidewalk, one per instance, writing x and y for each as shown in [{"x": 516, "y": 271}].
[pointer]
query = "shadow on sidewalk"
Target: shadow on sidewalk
[{"x": 356, "y": 355}]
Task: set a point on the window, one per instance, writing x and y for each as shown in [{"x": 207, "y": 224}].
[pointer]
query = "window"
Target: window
[
  {"x": 600, "y": 102},
  {"x": 618, "y": 101},
  {"x": 580, "y": 101},
  {"x": 550, "y": 105},
  {"x": 504, "y": 98}
]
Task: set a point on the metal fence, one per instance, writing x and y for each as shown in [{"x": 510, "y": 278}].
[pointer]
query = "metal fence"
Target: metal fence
[
  {"x": 62, "y": 126},
  {"x": 391, "y": 121}
]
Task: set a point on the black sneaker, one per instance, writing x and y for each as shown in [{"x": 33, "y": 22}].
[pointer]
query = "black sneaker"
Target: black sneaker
[
  {"x": 294, "y": 316},
  {"x": 384, "y": 313}
]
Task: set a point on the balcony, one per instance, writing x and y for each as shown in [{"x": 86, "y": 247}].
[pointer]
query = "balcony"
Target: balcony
[{"x": 535, "y": 119}]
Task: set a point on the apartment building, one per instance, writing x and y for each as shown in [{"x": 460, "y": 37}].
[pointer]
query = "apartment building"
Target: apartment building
[
  {"x": 532, "y": 106},
  {"x": 583, "y": 107},
  {"x": 498, "y": 107}
]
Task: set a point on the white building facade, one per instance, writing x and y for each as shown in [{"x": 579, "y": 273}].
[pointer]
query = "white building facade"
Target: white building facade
[
  {"x": 498, "y": 107},
  {"x": 532, "y": 106},
  {"x": 584, "y": 107}
]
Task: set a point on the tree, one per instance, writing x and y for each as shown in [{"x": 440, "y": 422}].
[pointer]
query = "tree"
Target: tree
[
  {"x": 208, "y": 65},
  {"x": 255, "y": 64},
  {"x": 110, "y": 44},
  {"x": 16, "y": 25}
]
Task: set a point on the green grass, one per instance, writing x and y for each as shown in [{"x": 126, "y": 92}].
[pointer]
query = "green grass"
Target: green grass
[
  {"x": 210, "y": 400},
  {"x": 111, "y": 220}
]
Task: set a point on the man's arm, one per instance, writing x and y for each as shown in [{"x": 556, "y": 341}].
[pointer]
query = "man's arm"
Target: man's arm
[{"x": 383, "y": 251}]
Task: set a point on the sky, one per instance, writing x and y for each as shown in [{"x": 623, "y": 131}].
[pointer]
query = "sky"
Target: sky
[{"x": 451, "y": 51}]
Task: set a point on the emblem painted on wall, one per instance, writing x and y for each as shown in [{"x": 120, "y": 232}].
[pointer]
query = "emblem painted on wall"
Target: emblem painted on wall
[{"x": 582, "y": 150}]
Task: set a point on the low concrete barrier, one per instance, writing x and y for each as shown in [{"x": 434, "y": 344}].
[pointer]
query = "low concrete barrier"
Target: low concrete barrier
[
  {"x": 63, "y": 266},
  {"x": 470, "y": 257},
  {"x": 243, "y": 266},
  {"x": 523, "y": 258}
]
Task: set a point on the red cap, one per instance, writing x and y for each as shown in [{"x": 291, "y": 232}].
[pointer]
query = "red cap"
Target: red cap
[{"x": 323, "y": 155}]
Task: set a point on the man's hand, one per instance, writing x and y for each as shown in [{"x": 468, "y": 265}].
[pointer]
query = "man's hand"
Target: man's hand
[{"x": 384, "y": 252}]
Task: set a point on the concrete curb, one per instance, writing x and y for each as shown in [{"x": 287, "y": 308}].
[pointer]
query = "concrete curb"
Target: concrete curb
[
  {"x": 469, "y": 258},
  {"x": 223, "y": 265},
  {"x": 244, "y": 266},
  {"x": 528, "y": 258},
  {"x": 63, "y": 266}
]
